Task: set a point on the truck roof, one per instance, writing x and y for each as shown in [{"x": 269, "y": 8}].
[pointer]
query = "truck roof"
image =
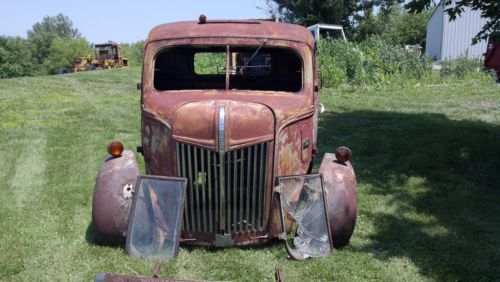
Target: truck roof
[{"x": 232, "y": 29}]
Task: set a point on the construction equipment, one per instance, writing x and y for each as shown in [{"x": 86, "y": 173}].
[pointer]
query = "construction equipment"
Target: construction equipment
[{"x": 107, "y": 56}]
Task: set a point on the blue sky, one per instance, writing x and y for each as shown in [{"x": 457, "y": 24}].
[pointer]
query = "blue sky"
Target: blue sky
[{"x": 121, "y": 21}]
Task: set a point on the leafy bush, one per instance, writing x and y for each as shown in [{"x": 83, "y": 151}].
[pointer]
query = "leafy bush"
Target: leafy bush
[
  {"x": 371, "y": 61},
  {"x": 462, "y": 67}
]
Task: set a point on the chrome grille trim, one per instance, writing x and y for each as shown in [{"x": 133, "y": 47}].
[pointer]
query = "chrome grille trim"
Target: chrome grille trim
[{"x": 234, "y": 184}]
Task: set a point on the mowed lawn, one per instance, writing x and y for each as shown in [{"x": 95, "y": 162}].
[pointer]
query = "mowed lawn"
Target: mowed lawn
[{"x": 427, "y": 158}]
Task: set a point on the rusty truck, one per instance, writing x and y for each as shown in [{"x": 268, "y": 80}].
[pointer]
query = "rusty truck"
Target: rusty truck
[{"x": 240, "y": 143}]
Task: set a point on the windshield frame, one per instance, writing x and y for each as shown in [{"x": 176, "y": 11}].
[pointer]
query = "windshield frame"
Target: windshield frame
[{"x": 300, "y": 49}]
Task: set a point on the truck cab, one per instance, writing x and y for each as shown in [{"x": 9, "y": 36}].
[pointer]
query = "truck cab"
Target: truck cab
[{"x": 231, "y": 106}]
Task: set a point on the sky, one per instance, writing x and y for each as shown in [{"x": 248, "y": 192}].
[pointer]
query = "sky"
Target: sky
[{"x": 120, "y": 21}]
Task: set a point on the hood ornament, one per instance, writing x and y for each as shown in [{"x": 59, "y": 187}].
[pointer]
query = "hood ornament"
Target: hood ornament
[{"x": 221, "y": 130}]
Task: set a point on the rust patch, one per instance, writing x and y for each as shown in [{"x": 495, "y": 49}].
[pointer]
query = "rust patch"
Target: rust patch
[{"x": 157, "y": 146}]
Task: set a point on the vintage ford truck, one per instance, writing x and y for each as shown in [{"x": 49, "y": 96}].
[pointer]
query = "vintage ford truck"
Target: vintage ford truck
[{"x": 231, "y": 106}]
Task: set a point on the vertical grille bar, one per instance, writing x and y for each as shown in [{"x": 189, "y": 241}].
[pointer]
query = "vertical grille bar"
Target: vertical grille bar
[
  {"x": 229, "y": 199},
  {"x": 196, "y": 190},
  {"x": 210, "y": 223},
  {"x": 186, "y": 208},
  {"x": 235, "y": 189},
  {"x": 216, "y": 188},
  {"x": 263, "y": 192},
  {"x": 253, "y": 211},
  {"x": 247, "y": 206},
  {"x": 241, "y": 204},
  {"x": 191, "y": 187},
  {"x": 179, "y": 173},
  {"x": 203, "y": 190},
  {"x": 262, "y": 182}
]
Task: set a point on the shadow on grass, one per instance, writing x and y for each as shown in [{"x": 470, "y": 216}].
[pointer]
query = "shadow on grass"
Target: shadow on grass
[
  {"x": 92, "y": 238},
  {"x": 119, "y": 242},
  {"x": 440, "y": 182}
]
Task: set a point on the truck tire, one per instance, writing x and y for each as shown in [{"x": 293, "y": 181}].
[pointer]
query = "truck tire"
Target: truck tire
[{"x": 62, "y": 70}]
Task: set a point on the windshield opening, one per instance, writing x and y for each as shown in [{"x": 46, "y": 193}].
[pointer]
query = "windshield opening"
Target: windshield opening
[{"x": 264, "y": 68}]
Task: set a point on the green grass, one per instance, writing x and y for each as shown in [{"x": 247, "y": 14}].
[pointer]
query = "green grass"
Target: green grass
[{"x": 427, "y": 158}]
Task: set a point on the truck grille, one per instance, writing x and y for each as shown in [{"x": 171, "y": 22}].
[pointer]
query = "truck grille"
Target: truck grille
[{"x": 226, "y": 191}]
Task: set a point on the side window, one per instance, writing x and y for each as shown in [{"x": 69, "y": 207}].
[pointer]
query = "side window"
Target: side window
[
  {"x": 270, "y": 69},
  {"x": 189, "y": 68}
]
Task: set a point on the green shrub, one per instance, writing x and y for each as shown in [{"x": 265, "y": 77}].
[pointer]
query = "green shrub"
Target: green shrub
[
  {"x": 462, "y": 67},
  {"x": 371, "y": 61}
]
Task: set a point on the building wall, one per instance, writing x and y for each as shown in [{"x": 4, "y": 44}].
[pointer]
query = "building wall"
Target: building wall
[
  {"x": 457, "y": 36},
  {"x": 451, "y": 40},
  {"x": 434, "y": 37}
]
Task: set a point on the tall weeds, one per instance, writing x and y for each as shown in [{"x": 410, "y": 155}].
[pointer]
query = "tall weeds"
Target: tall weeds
[{"x": 375, "y": 61}]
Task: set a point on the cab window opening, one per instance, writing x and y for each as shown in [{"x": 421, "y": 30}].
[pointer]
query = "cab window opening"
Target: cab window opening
[{"x": 199, "y": 68}]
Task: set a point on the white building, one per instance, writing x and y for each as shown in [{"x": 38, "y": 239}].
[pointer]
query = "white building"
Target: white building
[{"x": 450, "y": 40}]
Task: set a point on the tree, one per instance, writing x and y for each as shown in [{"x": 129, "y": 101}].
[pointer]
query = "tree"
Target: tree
[
  {"x": 309, "y": 12},
  {"x": 15, "y": 57},
  {"x": 63, "y": 51},
  {"x": 408, "y": 28},
  {"x": 370, "y": 25},
  {"x": 43, "y": 33},
  {"x": 490, "y": 9},
  {"x": 134, "y": 52}
]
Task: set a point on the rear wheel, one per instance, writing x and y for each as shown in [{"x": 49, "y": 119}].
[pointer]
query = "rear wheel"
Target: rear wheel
[{"x": 62, "y": 70}]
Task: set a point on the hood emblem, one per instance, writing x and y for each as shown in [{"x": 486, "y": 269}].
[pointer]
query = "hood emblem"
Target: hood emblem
[{"x": 221, "y": 131}]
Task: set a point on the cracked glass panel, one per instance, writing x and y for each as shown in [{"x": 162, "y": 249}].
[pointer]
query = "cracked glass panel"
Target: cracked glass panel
[
  {"x": 303, "y": 207},
  {"x": 155, "y": 218}
]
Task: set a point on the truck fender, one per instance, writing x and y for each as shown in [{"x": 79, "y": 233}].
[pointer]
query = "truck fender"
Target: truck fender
[
  {"x": 114, "y": 188},
  {"x": 341, "y": 199}
]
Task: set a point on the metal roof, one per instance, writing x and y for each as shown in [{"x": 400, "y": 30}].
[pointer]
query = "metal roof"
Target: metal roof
[
  {"x": 232, "y": 29},
  {"x": 326, "y": 26}
]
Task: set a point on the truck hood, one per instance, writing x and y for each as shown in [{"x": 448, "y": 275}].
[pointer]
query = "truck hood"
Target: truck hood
[{"x": 234, "y": 123}]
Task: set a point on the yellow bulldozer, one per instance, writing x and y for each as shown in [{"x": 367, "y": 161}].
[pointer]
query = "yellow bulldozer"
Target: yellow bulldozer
[{"x": 107, "y": 56}]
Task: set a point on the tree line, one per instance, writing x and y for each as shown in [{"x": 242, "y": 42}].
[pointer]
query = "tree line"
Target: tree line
[
  {"x": 364, "y": 18},
  {"x": 51, "y": 44},
  {"x": 54, "y": 42}
]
